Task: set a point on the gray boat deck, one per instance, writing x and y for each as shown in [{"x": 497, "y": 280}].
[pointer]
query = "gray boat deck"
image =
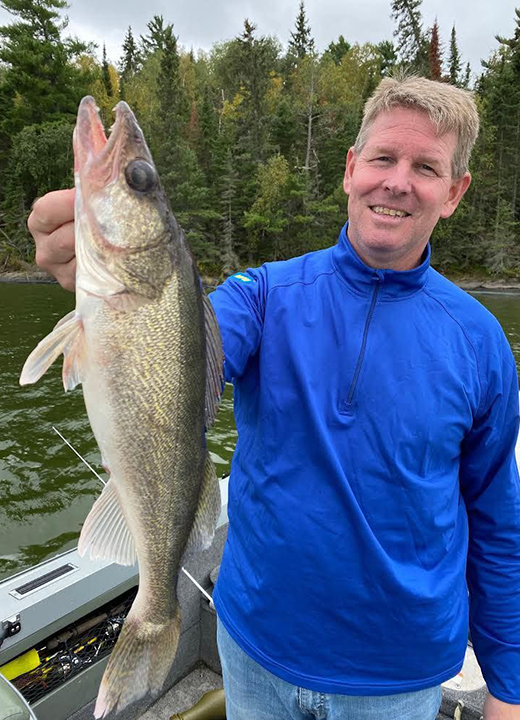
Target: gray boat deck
[{"x": 184, "y": 694}]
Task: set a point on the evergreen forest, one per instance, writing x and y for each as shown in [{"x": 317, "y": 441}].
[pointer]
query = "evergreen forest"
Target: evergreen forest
[{"x": 250, "y": 138}]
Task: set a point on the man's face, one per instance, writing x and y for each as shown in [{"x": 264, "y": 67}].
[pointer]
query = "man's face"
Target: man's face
[{"x": 399, "y": 185}]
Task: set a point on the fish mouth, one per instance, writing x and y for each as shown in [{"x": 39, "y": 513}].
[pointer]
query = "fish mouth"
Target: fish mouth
[{"x": 92, "y": 148}]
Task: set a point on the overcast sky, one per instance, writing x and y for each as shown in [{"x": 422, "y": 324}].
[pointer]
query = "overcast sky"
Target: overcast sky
[{"x": 200, "y": 23}]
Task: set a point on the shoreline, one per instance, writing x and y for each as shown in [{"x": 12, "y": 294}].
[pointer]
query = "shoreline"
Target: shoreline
[
  {"x": 501, "y": 286},
  {"x": 26, "y": 276}
]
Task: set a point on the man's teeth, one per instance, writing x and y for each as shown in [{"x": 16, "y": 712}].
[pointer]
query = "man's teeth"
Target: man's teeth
[{"x": 388, "y": 211}]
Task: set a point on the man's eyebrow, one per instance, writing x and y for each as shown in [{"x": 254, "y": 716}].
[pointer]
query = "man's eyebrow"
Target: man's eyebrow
[{"x": 381, "y": 150}]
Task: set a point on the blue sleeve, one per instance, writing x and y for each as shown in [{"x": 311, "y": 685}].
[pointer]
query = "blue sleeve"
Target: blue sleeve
[
  {"x": 239, "y": 306},
  {"x": 490, "y": 486}
]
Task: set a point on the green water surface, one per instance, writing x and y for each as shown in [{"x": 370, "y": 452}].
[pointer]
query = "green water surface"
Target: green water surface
[{"x": 45, "y": 491}]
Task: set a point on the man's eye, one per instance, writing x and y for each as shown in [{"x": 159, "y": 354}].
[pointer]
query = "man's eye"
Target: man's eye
[
  {"x": 382, "y": 158},
  {"x": 427, "y": 168}
]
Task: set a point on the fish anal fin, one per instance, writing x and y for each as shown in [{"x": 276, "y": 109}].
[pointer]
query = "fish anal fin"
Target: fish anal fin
[
  {"x": 208, "y": 511},
  {"x": 214, "y": 363},
  {"x": 66, "y": 335},
  {"x": 105, "y": 532}
]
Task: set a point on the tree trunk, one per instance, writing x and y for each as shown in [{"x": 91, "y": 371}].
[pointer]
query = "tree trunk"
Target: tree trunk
[
  {"x": 497, "y": 213},
  {"x": 517, "y": 156},
  {"x": 309, "y": 123}
]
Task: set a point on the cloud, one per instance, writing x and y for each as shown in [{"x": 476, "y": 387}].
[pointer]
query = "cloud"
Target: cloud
[{"x": 201, "y": 23}]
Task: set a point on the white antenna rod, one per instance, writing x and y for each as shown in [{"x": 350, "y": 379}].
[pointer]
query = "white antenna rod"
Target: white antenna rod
[
  {"x": 77, "y": 453},
  {"x": 198, "y": 586}
]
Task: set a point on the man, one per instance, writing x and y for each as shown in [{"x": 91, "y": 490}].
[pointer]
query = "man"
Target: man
[{"x": 377, "y": 411}]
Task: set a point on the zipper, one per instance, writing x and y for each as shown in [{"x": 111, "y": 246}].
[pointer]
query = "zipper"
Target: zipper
[{"x": 370, "y": 315}]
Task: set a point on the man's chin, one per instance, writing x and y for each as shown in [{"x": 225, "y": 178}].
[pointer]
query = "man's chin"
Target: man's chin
[{"x": 385, "y": 251}]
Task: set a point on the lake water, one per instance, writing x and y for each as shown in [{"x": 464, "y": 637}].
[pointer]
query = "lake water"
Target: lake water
[{"x": 45, "y": 491}]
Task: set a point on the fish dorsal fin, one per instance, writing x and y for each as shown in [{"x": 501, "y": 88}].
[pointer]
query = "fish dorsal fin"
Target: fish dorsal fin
[
  {"x": 208, "y": 510},
  {"x": 214, "y": 363},
  {"x": 67, "y": 338},
  {"x": 105, "y": 532}
]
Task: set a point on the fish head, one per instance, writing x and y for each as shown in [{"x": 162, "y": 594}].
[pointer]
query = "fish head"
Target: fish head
[{"x": 124, "y": 226}]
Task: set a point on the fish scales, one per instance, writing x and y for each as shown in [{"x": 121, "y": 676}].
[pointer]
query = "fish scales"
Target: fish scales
[
  {"x": 144, "y": 343},
  {"x": 155, "y": 386}
]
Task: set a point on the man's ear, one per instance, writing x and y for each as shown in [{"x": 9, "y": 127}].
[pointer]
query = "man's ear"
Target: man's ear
[
  {"x": 349, "y": 169},
  {"x": 456, "y": 192}
]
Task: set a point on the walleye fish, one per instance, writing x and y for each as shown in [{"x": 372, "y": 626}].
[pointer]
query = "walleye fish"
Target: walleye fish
[{"x": 144, "y": 343}]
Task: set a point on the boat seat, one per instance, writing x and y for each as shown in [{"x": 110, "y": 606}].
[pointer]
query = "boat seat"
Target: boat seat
[{"x": 12, "y": 705}]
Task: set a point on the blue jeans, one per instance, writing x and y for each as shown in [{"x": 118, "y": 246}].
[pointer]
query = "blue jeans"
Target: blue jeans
[{"x": 253, "y": 693}]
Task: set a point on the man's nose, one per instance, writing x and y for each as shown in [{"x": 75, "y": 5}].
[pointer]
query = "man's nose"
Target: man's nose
[{"x": 398, "y": 181}]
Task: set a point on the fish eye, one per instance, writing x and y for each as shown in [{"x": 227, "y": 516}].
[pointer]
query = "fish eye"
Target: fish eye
[{"x": 140, "y": 176}]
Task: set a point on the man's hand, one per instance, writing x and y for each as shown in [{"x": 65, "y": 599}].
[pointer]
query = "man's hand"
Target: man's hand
[
  {"x": 51, "y": 223},
  {"x": 497, "y": 710}
]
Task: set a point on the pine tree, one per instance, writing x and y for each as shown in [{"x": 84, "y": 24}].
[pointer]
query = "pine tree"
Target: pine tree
[
  {"x": 284, "y": 128},
  {"x": 229, "y": 258},
  {"x": 267, "y": 219},
  {"x": 40, "y": 80},
  {"x": 388, "y": 57},
  {"x": 40, "y": 88},
  {"x": 310, "y": 110},
  {"x": 435, "y": 54},
  {"x": 467, "y": 76},
  {"x": 509, "y": 119},
  {"x": 107, "y": 82},
  {"x": 40, "y": 160},
  {"x": 454, "y": 61},
  {"x": 207, "y": 141},
  {"x": 176, "y": 161},
  {"x": 513, "y": 43},
  {"x": 412, "y": 44},
  {"x": 337, "y": 50},
  {"x": 156, "y": 37},
  {"x": 255, "y": 80},
  {"x": 500, "y": 199},
  {"x": 172, "y": 102},
  {"x": 301, "y": 42},
  {"x": 130, "y": 62}
]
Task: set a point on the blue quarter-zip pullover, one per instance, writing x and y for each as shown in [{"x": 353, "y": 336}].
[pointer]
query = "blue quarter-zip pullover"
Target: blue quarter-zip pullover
[{"x": 377, "y": 413}]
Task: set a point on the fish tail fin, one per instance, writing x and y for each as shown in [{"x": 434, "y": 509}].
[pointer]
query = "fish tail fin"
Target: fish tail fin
[{"x": 139, "y": 663}]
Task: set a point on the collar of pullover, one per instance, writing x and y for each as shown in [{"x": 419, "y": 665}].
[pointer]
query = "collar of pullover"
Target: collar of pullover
[{"x": 394, "y": 284}]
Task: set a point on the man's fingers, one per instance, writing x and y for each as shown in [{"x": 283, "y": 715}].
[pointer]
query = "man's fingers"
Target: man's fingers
[
  {"x": 56, "y": 248},
  {"x": 51, "y": 223},
  {"x": 51, "y": 211},
  {"x": 66, "y": 275}
]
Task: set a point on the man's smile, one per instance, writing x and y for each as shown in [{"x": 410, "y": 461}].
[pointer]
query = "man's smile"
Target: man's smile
[{"x": 390, "y": 212}]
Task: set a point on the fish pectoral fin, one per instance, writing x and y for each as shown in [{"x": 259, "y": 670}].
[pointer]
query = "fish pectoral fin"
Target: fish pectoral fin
[
  {"x": 126, "y": 302},
  {"x": 105, "y": 531},
  {"x": 214, "y": 363},
  {"x": 67, "y": 338},
  {"x": 208, "y": 511}
]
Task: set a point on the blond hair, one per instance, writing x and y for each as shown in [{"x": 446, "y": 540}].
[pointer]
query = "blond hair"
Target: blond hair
[{"x": 449, "y": 108}]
